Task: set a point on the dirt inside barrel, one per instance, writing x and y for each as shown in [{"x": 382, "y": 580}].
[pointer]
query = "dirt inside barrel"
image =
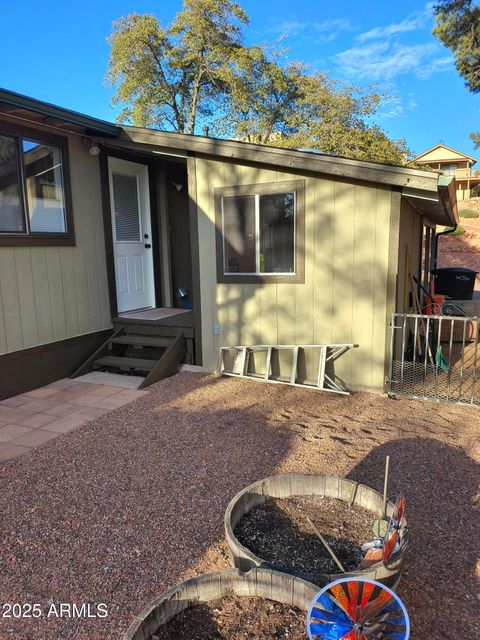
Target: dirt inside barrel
[
  {"x": 278, "y": 532},
  {"x": 236, "y": 618}
]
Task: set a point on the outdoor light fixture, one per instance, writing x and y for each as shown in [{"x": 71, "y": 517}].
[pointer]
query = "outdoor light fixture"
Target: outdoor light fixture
[
  {"x": 177, "y": 185},
  {"x": 94, "y": 150}
]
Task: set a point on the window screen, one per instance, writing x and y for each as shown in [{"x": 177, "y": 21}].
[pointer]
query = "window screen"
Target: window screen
[
  {"x": 239, "y": 234},
  {"x": 277, "y": 233},
  {"x": 44, "y": 187}
]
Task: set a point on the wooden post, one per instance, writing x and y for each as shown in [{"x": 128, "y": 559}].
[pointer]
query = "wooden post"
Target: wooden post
[
  {"x": 385, "y": 487},
  {"x": 326, "y": 545}
]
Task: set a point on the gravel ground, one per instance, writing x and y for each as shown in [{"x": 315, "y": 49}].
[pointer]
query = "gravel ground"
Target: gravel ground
[{"x": 133, "y": 503}]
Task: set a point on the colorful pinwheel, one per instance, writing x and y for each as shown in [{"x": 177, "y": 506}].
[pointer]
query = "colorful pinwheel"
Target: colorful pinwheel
[{"x": 357, "y": 609}]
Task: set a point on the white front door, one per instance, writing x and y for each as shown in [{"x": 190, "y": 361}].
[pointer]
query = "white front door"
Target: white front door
[{"x": 132, "y": 234}]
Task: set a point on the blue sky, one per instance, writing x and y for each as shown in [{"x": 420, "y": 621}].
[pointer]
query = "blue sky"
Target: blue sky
[{"x": 57, "y": 51}]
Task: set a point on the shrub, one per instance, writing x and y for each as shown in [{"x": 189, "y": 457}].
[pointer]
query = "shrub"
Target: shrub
[
  {"x": 468, "y": 213},
  {"x": 458, "y": 231}
]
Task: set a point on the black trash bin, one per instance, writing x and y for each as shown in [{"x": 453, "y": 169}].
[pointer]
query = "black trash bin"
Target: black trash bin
[{"x": 455, "y": 282}]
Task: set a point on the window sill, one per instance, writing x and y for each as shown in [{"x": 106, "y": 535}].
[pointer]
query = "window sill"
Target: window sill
[
  {"x": 261, "y": 279},
  {"x": 50, "y": 240}
]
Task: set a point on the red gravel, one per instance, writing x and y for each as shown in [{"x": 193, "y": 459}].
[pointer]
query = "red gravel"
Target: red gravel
[
  {"x": 133, "y": 503},
  {"x": 462, "y": 251}
]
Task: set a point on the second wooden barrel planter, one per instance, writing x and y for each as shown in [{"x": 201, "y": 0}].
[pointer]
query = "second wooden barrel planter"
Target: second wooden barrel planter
[
  {"x": 302, "y": 485},
  {"x": 261, "y": 583}
]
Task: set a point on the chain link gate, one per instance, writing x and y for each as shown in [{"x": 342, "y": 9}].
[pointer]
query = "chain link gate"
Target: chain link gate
[{"x": 435, "y": 358}]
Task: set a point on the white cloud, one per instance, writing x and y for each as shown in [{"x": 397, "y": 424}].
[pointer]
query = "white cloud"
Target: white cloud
[
  {"x": 340, "y": 24},
  {"x": 390, "y": 30},
  {"x": 328, "y": 37},
  {"x": 290, "y": 27},
  {"x": 383, "y": 61},
  {"x": 392, "y": 109},
  {"x": 428, "y": 10},
  {"x": 395, "y": 111},
  {"x": 441, "y": 64},
  {"x": 329, "y": 29},
  {"x": 411, "y": 23},
  {"x": 397, "y": 107},
  {"x": 412, "y": 103}
]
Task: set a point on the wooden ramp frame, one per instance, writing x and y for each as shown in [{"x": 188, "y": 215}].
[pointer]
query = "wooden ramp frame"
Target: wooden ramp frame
[{"x": 310, "y": 366}]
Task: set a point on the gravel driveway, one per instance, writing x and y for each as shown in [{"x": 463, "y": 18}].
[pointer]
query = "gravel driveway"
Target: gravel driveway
[{"x": 132, "y": 503}]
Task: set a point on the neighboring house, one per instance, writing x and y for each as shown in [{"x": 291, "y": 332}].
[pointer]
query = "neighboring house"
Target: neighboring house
[
  {"x": 256, "y": 245},
  {"x": 451, "y": 163}
]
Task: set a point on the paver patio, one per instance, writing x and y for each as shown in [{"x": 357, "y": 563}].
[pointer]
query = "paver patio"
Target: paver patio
[
  {"x": 130, "y": 504},
  {"x": 30, "y": 419}
]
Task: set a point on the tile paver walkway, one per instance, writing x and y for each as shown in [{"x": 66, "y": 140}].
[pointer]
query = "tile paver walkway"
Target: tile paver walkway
[{"x": 32, "y": 418}]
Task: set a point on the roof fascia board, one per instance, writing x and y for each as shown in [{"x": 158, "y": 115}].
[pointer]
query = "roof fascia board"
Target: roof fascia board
[
  {"x": 431, "y": 202},
  {"x": 291, "y": 159},
  {"x": 421, "y": 194},
  {"x": 440, "y": 207},
  {"x": 447, "y": 188},
  {"x": 147, "y": 148},
  {"x": 444, "y": 160}
]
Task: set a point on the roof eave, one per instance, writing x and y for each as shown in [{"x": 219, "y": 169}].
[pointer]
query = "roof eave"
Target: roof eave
[
  {"x": 93, "y": 126},
  {"x": 447, "y": 189},
  {"x": 292, "y": 160},
  {"x": 441, "y": 206}
]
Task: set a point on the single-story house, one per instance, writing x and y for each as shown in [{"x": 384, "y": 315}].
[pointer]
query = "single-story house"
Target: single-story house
[{"x": 224, "y": 242}]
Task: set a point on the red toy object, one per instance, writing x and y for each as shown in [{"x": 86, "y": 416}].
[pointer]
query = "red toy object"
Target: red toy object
[
  {"x": 399, "y": 510},
  {"x": 433, "y": 304},
  {"x": 392, "y": 538},
  {"x": 371, "y": 557}
]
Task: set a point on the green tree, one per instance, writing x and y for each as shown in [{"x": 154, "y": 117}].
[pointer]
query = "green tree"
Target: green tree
[
  {"x": 198, "y": 70},
  {"x": 458, "y": 27},
  {"x": 167, "y": 76},
  {"x": 292, "y": 108}
]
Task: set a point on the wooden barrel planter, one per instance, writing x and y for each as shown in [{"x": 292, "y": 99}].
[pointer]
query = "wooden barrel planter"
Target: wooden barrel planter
[
  {"x": 263, "y": 583},
  {"x": 293, "y": 484}
]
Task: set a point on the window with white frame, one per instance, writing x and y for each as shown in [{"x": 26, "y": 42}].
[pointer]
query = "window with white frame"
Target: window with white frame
[{"x": 258, "y": 227}]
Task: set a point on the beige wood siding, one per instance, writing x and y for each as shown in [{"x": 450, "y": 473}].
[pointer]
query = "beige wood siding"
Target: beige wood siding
[
  {"x": 408, "y": 249},
  {"x": 52, "y": 293},
  {"x": 442, "y": 153},
  {"x": 344, "y": 296}
]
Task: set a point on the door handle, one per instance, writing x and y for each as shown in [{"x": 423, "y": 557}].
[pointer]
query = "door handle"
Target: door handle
[{"x": 148, "y": 246}]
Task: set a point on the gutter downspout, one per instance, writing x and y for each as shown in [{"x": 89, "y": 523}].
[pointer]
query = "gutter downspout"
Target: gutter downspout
[
  {"x": 447, "y": 192},
  {"x": 437, "y": 235}
]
